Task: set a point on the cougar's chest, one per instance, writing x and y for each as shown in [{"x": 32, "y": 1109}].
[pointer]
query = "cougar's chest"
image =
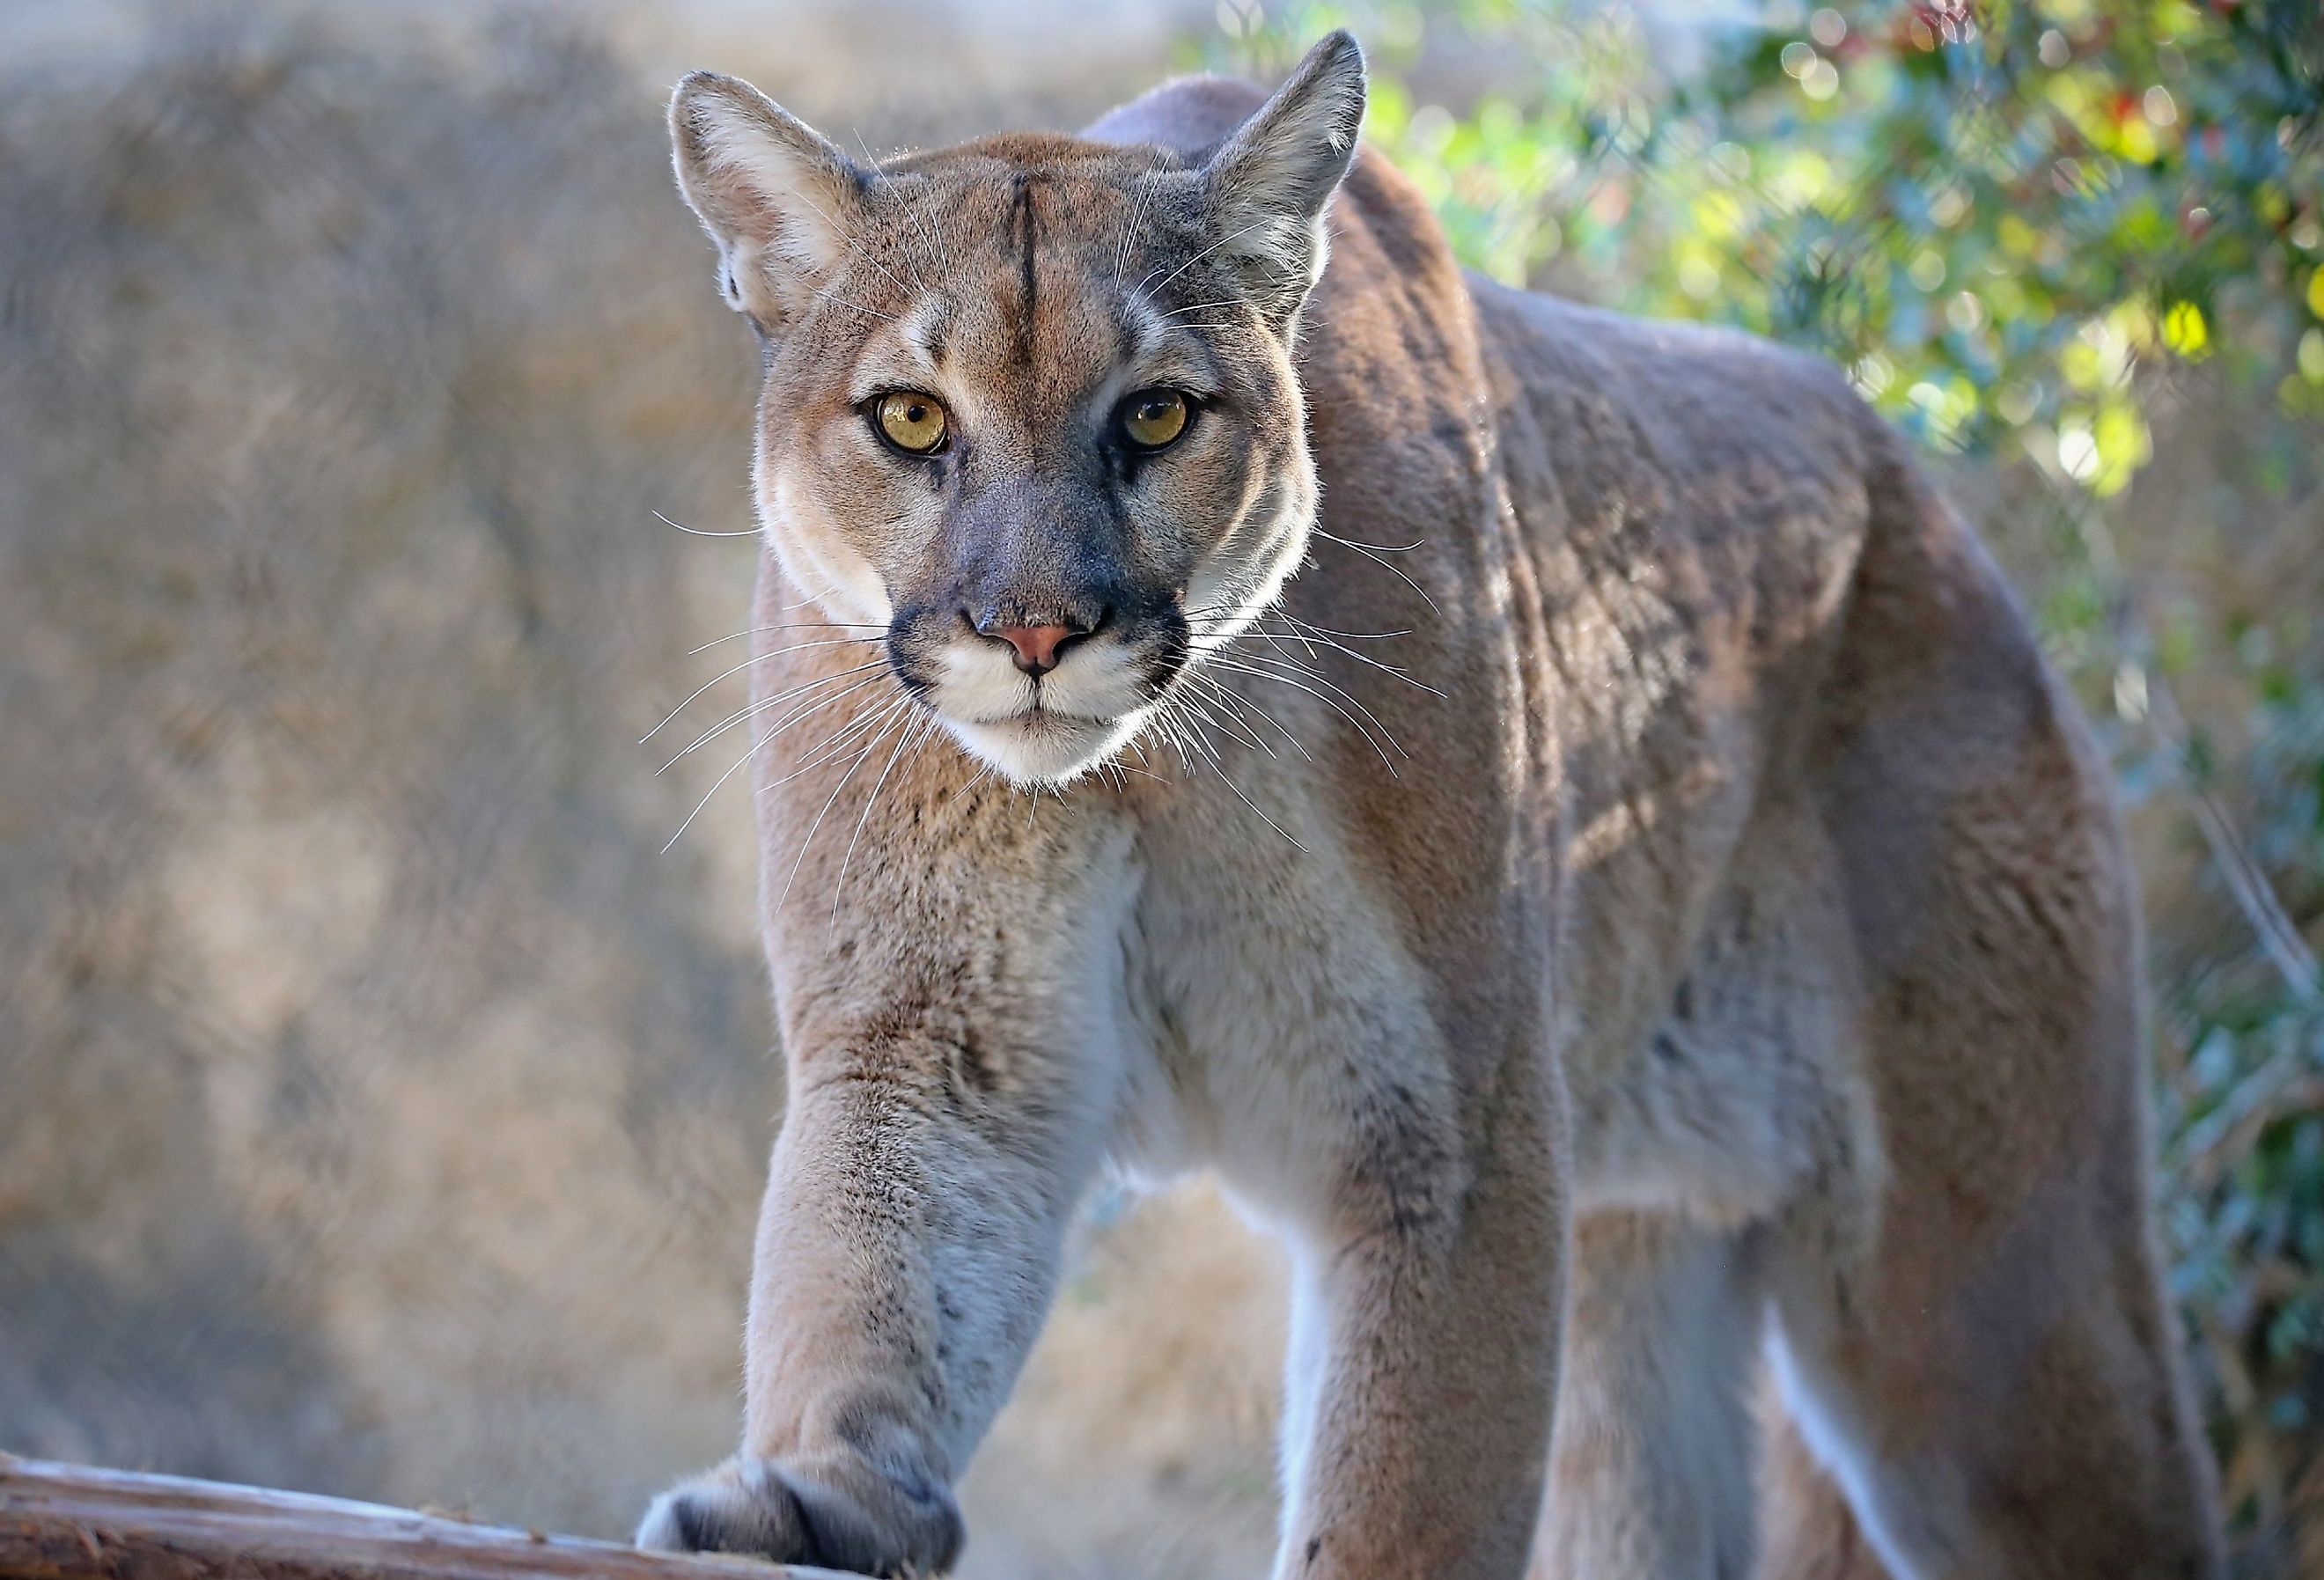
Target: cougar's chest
[{"x": 1266, "y": 996}]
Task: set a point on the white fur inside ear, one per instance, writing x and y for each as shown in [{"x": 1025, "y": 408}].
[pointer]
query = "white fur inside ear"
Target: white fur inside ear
[{"x": 771, "y": 192}]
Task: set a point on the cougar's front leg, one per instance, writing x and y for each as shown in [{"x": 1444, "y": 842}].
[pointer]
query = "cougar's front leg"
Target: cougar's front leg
[
  {"x": 951, "y": 1071},
  {"x": 1425, "y": 1326}
]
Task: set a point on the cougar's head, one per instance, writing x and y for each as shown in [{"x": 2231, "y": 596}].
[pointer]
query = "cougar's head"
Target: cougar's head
[{"x": 1030, "y": 406}]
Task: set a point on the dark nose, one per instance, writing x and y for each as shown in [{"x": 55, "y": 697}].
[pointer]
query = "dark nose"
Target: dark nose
[{"x": 1037, "y": 645}]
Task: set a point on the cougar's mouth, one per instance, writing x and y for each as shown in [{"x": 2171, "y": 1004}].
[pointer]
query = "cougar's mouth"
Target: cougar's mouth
[
  {"x": 1038, "y": 713},
  {"x": 1040, "y": 745},
  {"x": 1046, "y": 726}
]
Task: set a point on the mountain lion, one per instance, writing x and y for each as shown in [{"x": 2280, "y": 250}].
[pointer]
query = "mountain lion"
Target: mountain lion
[{"x": 1552, "y": 808}]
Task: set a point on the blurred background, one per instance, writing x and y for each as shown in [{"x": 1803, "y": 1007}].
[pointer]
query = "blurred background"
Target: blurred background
[{"x": 383, "y": 1113}]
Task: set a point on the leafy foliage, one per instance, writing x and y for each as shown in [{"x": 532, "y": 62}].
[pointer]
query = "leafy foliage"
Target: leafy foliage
[{"x": 2043, "y": 236}]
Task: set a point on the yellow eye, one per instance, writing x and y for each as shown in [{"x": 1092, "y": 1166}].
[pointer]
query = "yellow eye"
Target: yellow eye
[
  {"x": 911, "y": 420},
  {"x": 1153, "y": 418}
]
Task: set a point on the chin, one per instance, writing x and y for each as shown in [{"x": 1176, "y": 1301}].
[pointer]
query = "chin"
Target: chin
[{"x": 1038, "y": 748}]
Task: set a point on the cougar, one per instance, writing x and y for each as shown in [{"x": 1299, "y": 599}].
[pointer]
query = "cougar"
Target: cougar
[{"x": 1554, "y": 810}]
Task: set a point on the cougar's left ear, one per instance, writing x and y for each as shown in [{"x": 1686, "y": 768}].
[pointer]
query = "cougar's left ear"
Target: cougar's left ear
[
  {"x": 778, "y": 198},
  {"x": 1268, "y": 182}
]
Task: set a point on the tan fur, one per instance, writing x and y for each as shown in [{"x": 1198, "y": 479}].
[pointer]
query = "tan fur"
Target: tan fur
[{"x": 1729, "y": 952}]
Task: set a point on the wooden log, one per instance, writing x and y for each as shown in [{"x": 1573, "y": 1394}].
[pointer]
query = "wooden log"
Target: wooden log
[{"x": 77, "y": 1522}]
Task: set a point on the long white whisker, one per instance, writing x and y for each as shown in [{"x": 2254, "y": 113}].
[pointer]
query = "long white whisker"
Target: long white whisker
[
  {"x": 1263, "y": 817},
  {"x": 1277, "y": 642},
  {"x": 752, "y": 710},
  {"x": 836, "y": 743},
  {"x": 1404, "y": 675},
  {"x": 1367, "y": 550},
  {"x": 1320, "y": 679},
  {"x": 1119, "y": 766},
  {"x": 1166, "y": 721},
  {"x": 1351, "y": 635},
  {"x": 749, "y": 710},
  {"x": 1129, "y": 229},
  {"x": 811, "y": 599},
  {"x": 915, "y": 731},
  {"x": 1198, "y": 257},
  {"x": 1234, "y": 726},
  {"x": 699, "y": 533},
  {"x": 807, "y": 710},
  {"x": 1196, "y": 306},
  {"x": 1361, "y": 728},
  {"x": 789, "y": 625},
  {"x": 738, "y": 669},
  {"x": 921, "y": 225},
  {"x": 984, "y": 772},
  {"x": 1183, "y": 716},
  {"x": 1381, "y": 548},
  {"x": 827, "y": 294},
  {"x": 756, "y": 746},
  {"x": 850, "y": 243},
  {"x": 883, "y": 178},
  {"x": 861, "y": 758},
  {"x": 1239, "y": 703},
  {"x": 1219, "y": 768}
]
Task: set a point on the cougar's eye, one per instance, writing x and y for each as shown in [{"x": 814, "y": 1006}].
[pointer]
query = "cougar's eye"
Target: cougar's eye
[
  {"x": 913, "y": 422},
  {"x": 1153, "y": 420}
]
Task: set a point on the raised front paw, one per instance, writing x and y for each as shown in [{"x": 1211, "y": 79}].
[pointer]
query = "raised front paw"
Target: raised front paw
[{"x": 848, "y": 1517}]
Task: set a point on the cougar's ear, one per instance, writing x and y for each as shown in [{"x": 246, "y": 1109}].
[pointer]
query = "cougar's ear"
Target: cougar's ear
[
  {"x": 777, "y": 199},
  {"x": 1268, "y": 182}
]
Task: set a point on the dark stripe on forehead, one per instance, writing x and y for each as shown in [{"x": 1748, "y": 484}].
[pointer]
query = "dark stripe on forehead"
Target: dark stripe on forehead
[{"x": 1026, "y": 228}]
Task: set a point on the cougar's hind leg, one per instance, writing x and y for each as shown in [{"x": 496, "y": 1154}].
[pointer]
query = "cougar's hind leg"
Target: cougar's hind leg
[
  {"x": 1998, "y": 1389},
  {"x": 1807, "y": 1531},
  {"x": 2003, "y": 1399},
  {"x": 1650, "y": 1473}
]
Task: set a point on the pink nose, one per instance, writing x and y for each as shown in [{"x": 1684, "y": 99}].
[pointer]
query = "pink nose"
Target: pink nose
[{"x": 1037, "y": 645}]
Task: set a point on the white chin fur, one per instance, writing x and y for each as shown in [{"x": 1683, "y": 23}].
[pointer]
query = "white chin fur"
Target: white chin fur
[{"x": 1047, "y": 749}]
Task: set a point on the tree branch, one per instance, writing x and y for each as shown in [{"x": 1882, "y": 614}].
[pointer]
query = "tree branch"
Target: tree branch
[{"x": 76, "y": 1522}]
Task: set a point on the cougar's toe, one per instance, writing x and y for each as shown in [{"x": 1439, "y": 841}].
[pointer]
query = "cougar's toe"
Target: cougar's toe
[
  {"x": 862, "y": 1524},
  {"x": 729, "y": 1511}
]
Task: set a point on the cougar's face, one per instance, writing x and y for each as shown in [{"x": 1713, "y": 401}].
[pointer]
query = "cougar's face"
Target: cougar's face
[
  {"x": 1029, "y": 408},
  {"x": 1051, "y": 484}
]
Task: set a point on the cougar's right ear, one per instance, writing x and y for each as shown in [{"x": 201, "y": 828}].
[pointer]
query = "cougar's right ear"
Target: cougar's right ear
[{"x": 778, "y": 198}]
